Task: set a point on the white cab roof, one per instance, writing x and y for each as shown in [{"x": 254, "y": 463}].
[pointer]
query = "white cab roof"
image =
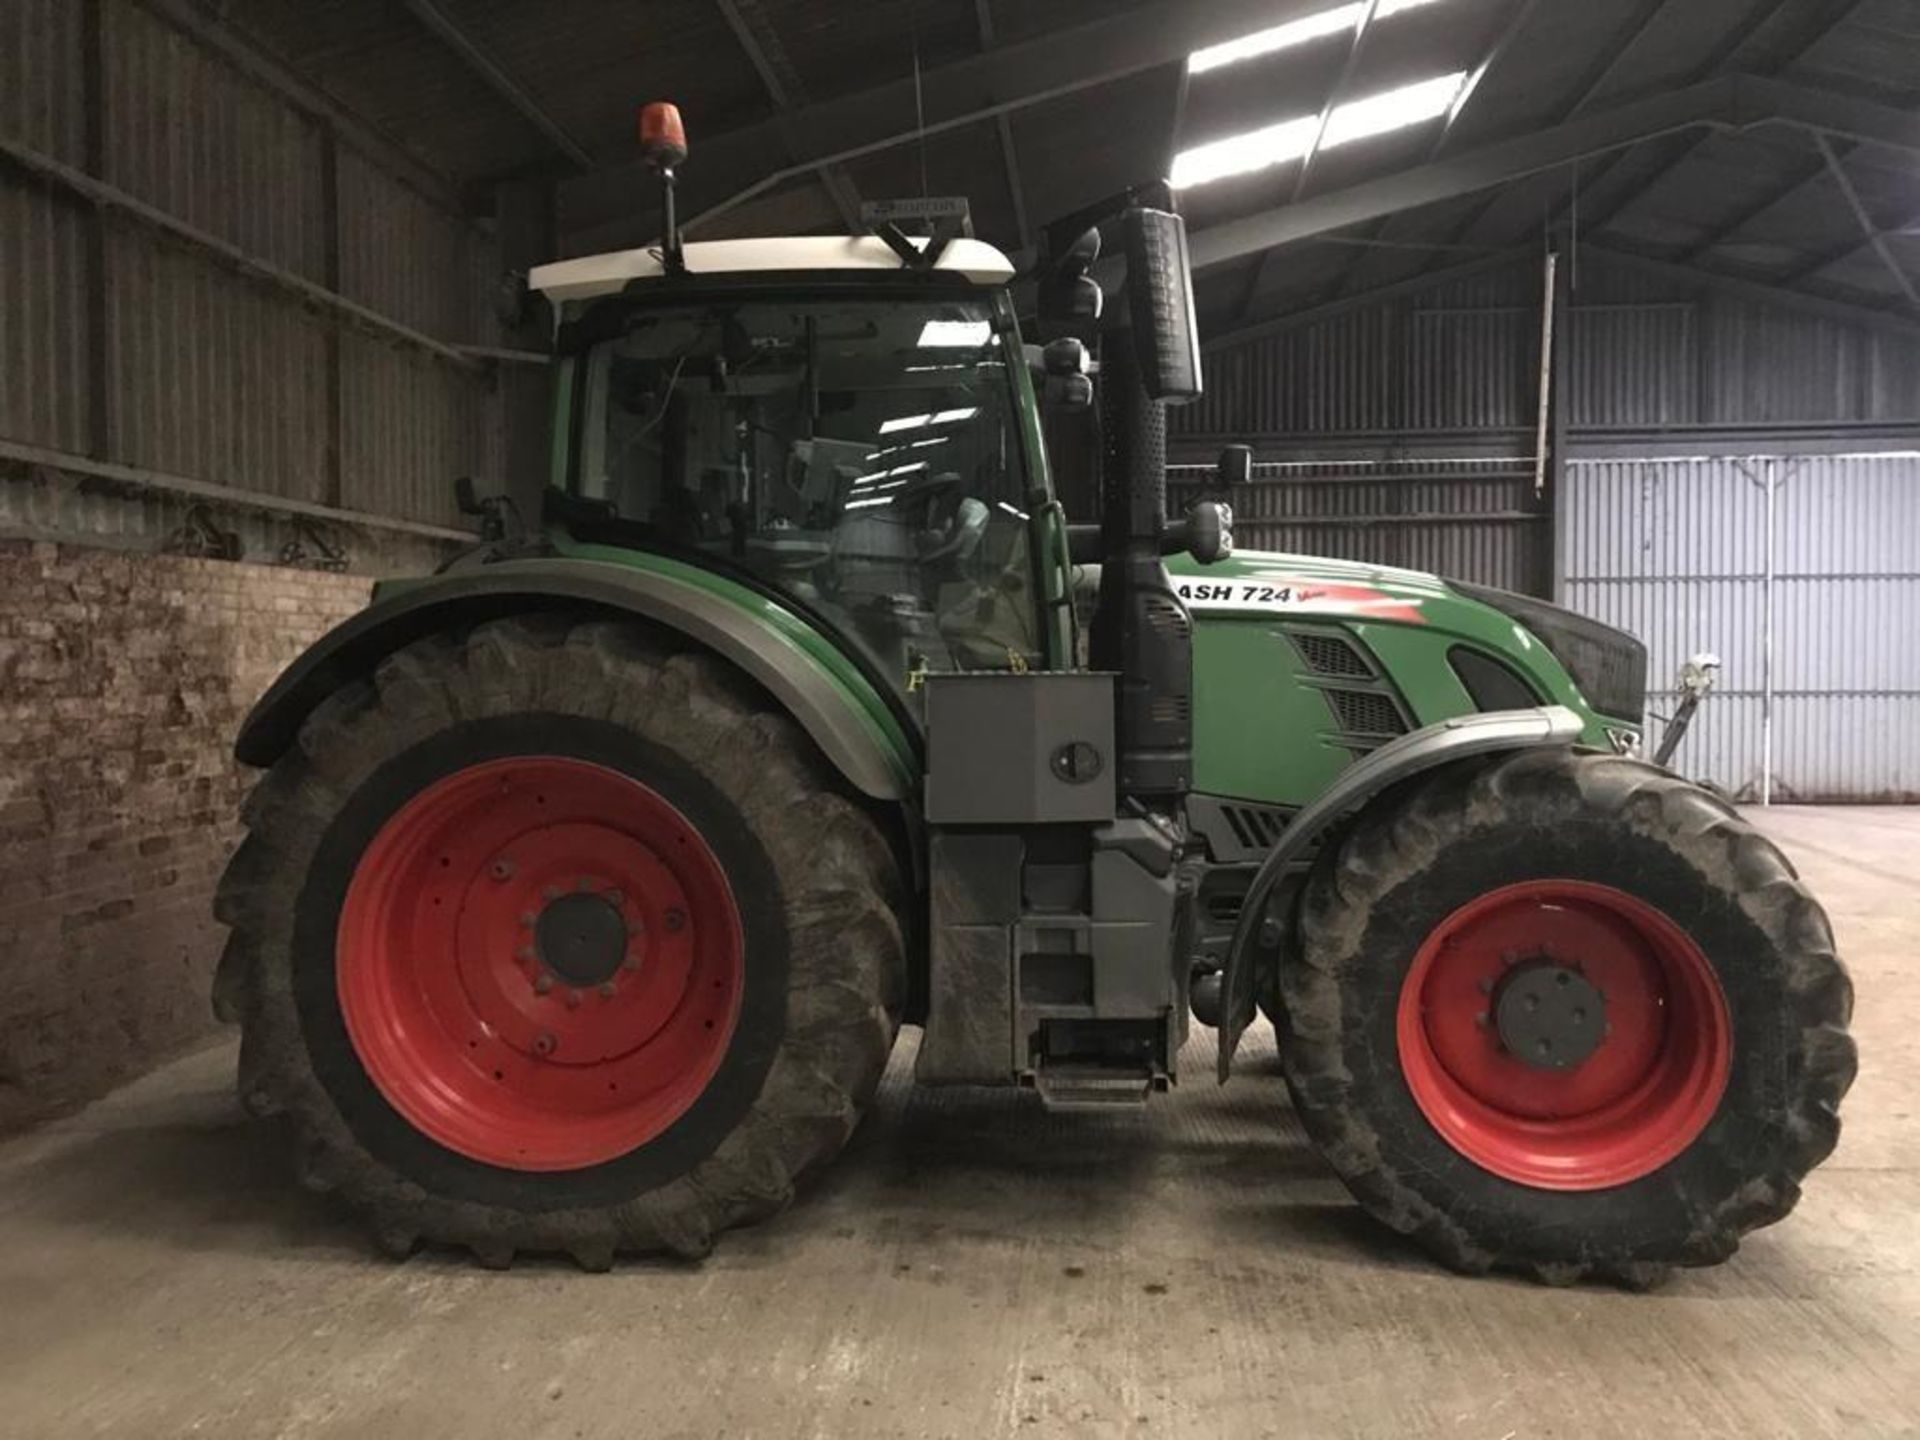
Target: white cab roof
[{"x": 595, "y": 275}]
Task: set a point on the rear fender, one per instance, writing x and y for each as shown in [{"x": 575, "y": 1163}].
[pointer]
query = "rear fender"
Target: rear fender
[
  {"x": 843, "y": 712},
  {"x": 1410, "y": 754}
]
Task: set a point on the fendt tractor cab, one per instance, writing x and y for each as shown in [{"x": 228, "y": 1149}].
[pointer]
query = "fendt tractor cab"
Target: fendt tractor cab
[{"x": 591, "y": 878}]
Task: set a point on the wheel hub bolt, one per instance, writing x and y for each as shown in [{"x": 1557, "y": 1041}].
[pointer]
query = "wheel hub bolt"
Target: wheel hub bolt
[
  {"x": 542, "y": 984},
  {"x": 501, "y": 869},
  {"x": 544, "y": 1043},
  {"x": 606, "y": 989},
  {"x": 573, "y": 999},
  {"x": 676, "y": 920},
  {"x": 1548, "y": 1015}
]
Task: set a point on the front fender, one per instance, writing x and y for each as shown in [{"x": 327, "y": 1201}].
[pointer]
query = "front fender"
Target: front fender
[
  {"x": 826, "y": 694},
  {"x": 1455, "y": 739}
]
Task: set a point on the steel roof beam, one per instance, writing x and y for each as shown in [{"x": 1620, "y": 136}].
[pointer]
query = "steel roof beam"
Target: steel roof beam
[
  {"x": 1295, "y": 319},
  {"x": 1517, "y": 21},
  {"x": 1335, "y": 95},
  {"x": 758, "y": 42},
  {"x": 1823, "y": 21},
  {"x": 496, "y": 79},
  {"x": 1727, "y": 229},
  {"x": 1257, "y": 282},
  {"x": 1595, "y": 81},
  {"x": 1875, "y": 240},
  {"x": 1760, "y": 292},
  {"x": 1731, "y": 102},
  {"x": 978, "y": 88},
  {"x": 1009, "y": 157},
  {"x": 1811, "y": 268}
]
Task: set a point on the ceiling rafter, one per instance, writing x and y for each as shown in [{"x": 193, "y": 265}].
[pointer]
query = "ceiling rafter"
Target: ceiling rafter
[
  {"x": 1823, "y": 18},
  {"x": 1336, "y": 92},
  {"x": 1003, "y": 125},
  {"x": 1519, "y": 14},
  {"x": 1592, "y": 85},
  {"x": 481, "y": 63},
  {"x": 1729, "y": 102},
  {"x": 1804, "y": 173},
  {"x": 1010, "y": 78},
  {"x": 1341, "y": 83},
  {"x": 1826, "y": 260},
  {"x": 1763, "y": 292},
  {"x": 759, "y": 41},
  {"x": 1875, "y": 240}
]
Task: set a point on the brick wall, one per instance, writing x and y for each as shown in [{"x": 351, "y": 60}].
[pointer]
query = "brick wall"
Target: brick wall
[{"x": 123, "y": 677}]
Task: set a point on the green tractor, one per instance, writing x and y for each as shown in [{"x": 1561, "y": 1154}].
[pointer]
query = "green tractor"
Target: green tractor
[{"x": 591, "y": 878}]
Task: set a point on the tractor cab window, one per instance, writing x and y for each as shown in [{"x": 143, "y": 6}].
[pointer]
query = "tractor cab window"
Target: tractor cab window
[{"x": 863, "y": 456}]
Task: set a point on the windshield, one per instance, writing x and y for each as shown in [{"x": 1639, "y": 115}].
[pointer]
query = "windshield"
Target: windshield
[{"x": 863, "y": 456}]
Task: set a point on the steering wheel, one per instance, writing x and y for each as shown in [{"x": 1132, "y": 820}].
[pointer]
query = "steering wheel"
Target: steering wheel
[{"x": 962, "y": 536}]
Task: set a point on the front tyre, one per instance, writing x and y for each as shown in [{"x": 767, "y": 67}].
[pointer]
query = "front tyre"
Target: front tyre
[
  {"x": 549, "y": 939},
  {"x": 1565, "y": 1014}
]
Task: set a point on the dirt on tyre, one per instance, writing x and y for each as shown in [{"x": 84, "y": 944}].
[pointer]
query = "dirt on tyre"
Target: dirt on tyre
[
  {"x": 1565, "y": 1014},
  {"x": 547, "y": 938}
]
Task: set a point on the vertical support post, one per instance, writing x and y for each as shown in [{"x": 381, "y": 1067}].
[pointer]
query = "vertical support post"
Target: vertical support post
[
  {"x": 1543, "y": 411},
  {"x": 333, "y": 482},
  {"x": 103, "y": 437},
  {"x": 1772, "y": 482},
  {"x": 1559, "y": 323}
]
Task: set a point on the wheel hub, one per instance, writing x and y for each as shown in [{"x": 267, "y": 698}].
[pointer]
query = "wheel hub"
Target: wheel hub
[
  {"x": 581, "y": 939},
  {"x": 1563, "y": 1034},
  {"x": 1549, "y": 1015}
]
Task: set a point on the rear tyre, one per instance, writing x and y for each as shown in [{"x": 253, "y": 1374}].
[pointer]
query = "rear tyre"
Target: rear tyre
[
  {"x": 549, "y": 939},
  {"x": 1567, "y": 1015}
]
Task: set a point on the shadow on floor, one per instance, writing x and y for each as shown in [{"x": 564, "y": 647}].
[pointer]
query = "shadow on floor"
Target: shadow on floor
[{"x": 190, "y": 1170}]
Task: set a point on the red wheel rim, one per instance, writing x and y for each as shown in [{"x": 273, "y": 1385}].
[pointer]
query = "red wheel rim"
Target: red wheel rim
[
  {"x": 540, "y": 963},
  {"x": 1652, "y": 1080}
]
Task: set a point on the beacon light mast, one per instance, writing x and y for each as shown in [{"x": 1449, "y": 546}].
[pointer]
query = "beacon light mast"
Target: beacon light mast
[{"x": 663, "y": 141}]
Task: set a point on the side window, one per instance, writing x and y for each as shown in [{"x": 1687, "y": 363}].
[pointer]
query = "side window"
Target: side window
[{"x": 863, "y": 457}]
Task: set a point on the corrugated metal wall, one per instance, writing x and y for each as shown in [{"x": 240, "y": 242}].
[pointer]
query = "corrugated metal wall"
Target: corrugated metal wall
[
  {"x": 1677, "y": 552},
  {"x": 1454, "y": 369},
  {"x": 203, "y": 371}
]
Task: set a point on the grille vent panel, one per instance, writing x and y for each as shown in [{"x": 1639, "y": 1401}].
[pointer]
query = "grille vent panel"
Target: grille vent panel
[
  {"x": 1255, "y": 826},
  {"x": 1366, "y": 713},
  {"x": 1331, "y": 655}
]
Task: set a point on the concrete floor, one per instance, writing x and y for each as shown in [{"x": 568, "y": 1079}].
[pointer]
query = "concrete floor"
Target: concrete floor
[{"x": 972, "y": 1267}]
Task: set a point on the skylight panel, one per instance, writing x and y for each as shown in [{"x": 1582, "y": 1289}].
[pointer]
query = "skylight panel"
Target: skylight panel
[
  {"x": 1291, "y": 139},
  {"x": 1336, "y": 21},
  {"x": 1393, "y": 110}
]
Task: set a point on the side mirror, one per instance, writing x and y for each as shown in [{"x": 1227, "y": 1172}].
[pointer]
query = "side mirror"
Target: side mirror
[
  {"x": 1234, "y": 467},
  {"x": 1166, "y": 328},
  {"x": 1068, "y": 293},
  {"x": 1065, "y": 356},
  {"x": 1206, "y": 534},
  {"x": 1698, "y": 673},
  {"x": 1073, "y": 300},
  {"x": 1067, "y": 386}
]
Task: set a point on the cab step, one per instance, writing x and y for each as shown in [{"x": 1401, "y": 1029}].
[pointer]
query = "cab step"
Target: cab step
[{"x": 1095, "y": 1087}]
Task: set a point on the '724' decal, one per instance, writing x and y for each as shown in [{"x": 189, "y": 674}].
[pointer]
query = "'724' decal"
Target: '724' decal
[{"x": 1362, "y": 601}]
